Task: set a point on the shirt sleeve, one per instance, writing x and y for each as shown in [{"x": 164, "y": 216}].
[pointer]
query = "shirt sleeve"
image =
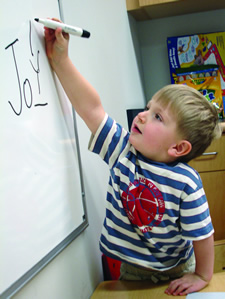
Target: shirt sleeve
[
  {"x": 195, "y": 217},
  {"x": 109, "y": 141}
]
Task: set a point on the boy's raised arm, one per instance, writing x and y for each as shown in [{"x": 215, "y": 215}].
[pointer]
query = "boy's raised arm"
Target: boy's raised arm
[{"x": 82, "y": 95}]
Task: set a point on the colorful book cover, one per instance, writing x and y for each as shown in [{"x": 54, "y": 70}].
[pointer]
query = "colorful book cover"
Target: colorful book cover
[{"x": 197, "y": 50}]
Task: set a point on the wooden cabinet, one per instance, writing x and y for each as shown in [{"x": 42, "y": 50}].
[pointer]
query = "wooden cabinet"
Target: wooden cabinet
[
  {"x": 219, "y": 264},
  {"x": 143, "y": 10},
  {"x": 211, "y": 167}
]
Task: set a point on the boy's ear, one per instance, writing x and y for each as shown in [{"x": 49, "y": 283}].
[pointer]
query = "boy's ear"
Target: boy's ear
[{"x": 180, "y": 149}]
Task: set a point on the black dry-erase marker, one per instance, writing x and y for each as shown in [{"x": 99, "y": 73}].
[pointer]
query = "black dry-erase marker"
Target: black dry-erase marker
[{"x": 66, "y": 28}]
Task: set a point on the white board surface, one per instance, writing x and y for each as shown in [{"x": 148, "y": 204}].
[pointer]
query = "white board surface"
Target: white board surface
[{"x": 41, "y": 191}]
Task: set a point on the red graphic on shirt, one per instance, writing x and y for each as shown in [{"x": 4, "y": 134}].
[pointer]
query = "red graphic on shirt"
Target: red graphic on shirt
[{"x": 144, "y": 204}]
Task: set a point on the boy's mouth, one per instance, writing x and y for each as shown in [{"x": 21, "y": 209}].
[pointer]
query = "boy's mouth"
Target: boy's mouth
[{"x": 136, "y": 129}]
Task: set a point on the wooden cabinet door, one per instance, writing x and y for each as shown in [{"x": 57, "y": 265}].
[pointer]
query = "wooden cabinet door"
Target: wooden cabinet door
[
  {"x": 213, "y": 159},
  {"x": 219, "y": 264},
  {"x": 214, "y": 185}
]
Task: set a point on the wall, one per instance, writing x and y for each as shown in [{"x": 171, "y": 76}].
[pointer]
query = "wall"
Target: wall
[
  {"x": 153, "y": 35},
  {"x": 109, "y": 61}
]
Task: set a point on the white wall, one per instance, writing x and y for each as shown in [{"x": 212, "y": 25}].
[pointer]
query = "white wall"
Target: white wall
[
  {"x": 153, "y": 42},
  {"x": 108, "y": 61}
]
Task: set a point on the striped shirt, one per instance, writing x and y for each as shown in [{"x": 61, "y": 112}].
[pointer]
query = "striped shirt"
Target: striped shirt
[{"x": 153, "y": 210}]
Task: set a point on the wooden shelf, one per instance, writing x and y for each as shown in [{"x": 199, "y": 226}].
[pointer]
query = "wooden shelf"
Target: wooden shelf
[{"x": 143, "y": 10}]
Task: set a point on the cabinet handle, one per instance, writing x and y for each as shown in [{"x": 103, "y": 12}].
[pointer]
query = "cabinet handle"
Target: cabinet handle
[{"x": 210, "y": 154}]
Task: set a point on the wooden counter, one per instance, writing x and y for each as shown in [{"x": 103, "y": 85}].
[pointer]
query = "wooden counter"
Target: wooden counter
[{"x": 119, "y": 289}]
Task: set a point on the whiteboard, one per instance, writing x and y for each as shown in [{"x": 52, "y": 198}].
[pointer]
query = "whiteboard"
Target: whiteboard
[{"x": 42, "y": 207}]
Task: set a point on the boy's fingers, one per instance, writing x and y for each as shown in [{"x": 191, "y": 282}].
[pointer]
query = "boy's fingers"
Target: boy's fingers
[
  {"x": 57, "y": 20},
  {"x": 60, "y": 35},
  {"x": 57, "y": 32}
]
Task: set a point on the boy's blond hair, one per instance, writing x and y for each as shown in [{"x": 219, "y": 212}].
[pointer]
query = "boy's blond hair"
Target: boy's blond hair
[{"x": 196, "y": 118}]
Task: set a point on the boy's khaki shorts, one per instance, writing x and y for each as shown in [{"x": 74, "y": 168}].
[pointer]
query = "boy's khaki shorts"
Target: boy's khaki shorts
[{"x": 129, "y": 272}]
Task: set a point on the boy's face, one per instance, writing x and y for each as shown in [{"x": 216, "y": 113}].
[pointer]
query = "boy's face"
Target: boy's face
[{"x": 153, "y": 132}]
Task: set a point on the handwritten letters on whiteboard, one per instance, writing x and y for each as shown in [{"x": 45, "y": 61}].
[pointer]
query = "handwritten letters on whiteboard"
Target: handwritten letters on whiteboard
[{"x": 25, "y": 93}]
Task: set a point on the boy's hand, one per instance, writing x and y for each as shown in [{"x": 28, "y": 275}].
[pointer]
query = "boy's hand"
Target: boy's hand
[
  {"x": 56, "y": 43},
  {"x": 187, "y": 284}
]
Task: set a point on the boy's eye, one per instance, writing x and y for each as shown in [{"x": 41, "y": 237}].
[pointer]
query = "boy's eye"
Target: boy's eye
[
  {"x": 158, "y": 117},
  {"x": 146, "y": 108}
]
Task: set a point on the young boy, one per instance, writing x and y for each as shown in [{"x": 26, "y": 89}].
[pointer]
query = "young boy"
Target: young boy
[{"x": 157, "y": 219}]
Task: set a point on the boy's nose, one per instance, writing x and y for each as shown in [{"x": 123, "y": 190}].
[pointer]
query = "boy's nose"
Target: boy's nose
[{"x": 142, "y": 116}]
